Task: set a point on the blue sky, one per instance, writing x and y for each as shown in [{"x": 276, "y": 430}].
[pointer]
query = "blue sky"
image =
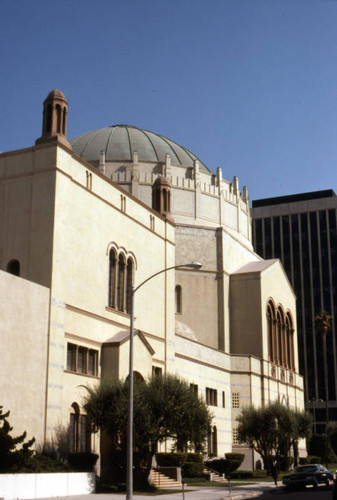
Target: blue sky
[{"x": 248, "y": 85}]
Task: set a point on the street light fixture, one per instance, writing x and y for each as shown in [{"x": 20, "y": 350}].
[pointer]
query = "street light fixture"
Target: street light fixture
[{"x": 129, "y": 457}]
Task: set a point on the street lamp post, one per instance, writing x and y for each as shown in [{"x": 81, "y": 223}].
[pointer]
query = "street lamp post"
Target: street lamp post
[{"x": 129, "y": 457}]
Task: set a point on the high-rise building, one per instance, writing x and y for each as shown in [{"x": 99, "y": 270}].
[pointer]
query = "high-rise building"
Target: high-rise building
[{"x": 300, "y": 230}]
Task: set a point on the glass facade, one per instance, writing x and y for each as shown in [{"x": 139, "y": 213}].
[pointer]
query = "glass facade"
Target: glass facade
[{"x": 305, "y": 240}]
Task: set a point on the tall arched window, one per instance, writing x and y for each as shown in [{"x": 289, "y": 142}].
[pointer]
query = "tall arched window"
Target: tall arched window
[
  {"x": 129, "y": 281},
  {"x": 58, "y": 118},
  {"x": 120, "y": 283},
  {"x": 290, "y": 342},
  {"x": 112, "y": 277},
  {"x": 178, "y": 299},
  {"x": 13, "y": 267},
  {"x": 280, "y": 336},
  {"x": 121, "y": 269},
  {"x": 271, "y": 320},
  {"x": 79, "y": 432},
  {"x": 74, "y": 430}
]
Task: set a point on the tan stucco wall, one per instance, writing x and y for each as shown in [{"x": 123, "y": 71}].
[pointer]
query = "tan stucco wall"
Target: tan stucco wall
[{"x": 24, "y": 312}]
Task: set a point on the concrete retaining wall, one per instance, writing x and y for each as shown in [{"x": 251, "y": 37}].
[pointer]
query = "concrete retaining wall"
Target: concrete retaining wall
[{"x": 20, "y": 486}]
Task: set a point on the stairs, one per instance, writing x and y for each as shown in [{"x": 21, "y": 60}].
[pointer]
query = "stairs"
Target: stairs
[
  {"x": 215, "y": 476},
  {"x": 159, "y": 480}
]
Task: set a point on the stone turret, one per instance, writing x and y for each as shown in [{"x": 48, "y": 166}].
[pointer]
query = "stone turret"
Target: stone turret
[
  {"x": 161, "y": 196},
  {"x": 55, "y": 111}
]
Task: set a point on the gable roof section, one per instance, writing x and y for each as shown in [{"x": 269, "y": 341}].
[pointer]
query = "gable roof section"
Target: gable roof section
[
  {"x": 260, "y": 267},
  {"x": 123, "y": 336}
]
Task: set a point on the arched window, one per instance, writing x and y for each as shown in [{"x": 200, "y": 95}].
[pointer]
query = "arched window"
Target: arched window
[
  {"x": 280, "y": 336},
  {"x": 178, "y": 293},
  {"x": 290, "y": 342},
  {"x": 121, "y": 271},
  {"x": 112, "y": 277},
  {"x": 58, "y": 118},
  {"x": 271, "y": 320},
  {"x": 74, "y": 430},
  {"x": 13, "y": 267},
  {"x": 49, "y": 113},
  {"x": 129, "y": 281},
  {"x": 120, "y": 283},
  {"x": 79, "y": 432}
]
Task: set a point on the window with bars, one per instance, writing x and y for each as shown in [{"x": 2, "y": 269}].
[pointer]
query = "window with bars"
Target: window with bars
[
  {"x": 211, "y": 396},
  {"x": 235, "y": 400},
  {"x": 82, "y": 359}
]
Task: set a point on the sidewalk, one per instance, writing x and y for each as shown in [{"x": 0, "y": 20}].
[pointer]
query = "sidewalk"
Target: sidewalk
[{"x": 197, "y": 493}]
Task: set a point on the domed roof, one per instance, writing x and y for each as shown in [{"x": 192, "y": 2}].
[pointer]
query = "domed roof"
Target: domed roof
[
  {"x": 56, "y": 94},
  {"x": 120, "y": 142}
]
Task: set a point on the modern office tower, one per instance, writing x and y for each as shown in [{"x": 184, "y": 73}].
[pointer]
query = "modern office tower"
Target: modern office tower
[{"x": 300, "y": 230}]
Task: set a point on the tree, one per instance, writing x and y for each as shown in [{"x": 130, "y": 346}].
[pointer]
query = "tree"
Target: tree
[
  {"x": 164, "y": 407},
  {"x": 10, "y": 456},
  {"x": 331, "y": 431},
  {"x": 323, "y": 323},
  {"x": 271, "y": 431}
]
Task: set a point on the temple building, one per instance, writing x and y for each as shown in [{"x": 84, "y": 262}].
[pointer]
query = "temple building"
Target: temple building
[{"x": 82, "y": 221}]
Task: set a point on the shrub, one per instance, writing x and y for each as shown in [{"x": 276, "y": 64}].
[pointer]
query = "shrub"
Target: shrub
[
  {"x": 242, "y": 474},
  {"x": 41, "y": 463},
  {"x": 194, "y": 457},
  {"x": 227, "y": 465},
  {"x": 171, "y": 459},
  {"x": 84, "y": 462},
  {"x": 192, "y": 469}
]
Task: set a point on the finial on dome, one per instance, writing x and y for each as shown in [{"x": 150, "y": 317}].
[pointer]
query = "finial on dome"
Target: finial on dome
[{"x": 55, "y": 111}]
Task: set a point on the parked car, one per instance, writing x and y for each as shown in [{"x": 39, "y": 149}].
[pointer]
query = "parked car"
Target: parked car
[{"x": 304, "y": 475}]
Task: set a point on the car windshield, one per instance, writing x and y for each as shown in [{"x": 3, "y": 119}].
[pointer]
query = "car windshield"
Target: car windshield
[{"x": 306, "y": 468}]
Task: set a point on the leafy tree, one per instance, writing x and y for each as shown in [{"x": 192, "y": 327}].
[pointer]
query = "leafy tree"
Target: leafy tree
[
  {"x": 10, "y": 456},
  {"x": 271, "y": 431},
  {"x": 164, "y": 407},
  {"x": 331, "y": 431}
]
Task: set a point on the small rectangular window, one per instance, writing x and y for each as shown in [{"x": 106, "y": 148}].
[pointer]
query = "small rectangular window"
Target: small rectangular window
[
  {"x": 92, "y": 362},
  {"x": 157, "y": 371},
  {"x": 235, "y": 400},
  {"x": 211, "y": 396},
  {"x": 71, "y": 357},
  {"x": 194, "y": 388},
  {"x": 223, "y": 399},
  {"x": 82, "y": 360}
]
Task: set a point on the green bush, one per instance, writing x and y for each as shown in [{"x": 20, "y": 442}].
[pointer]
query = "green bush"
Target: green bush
[
  {"x": 227, "y": 465},
  {"x": 194, "y": 457},
  {"x": 242, "y": 474},
  {"x": 40, "y": 463},
  {"x": 192, "y": 469},
  {"x": 171, "y": 459},
  {"x": 84, "y": 462}
]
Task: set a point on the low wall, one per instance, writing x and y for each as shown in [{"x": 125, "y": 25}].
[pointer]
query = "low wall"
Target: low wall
[{"x": 13, "y": 486}]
